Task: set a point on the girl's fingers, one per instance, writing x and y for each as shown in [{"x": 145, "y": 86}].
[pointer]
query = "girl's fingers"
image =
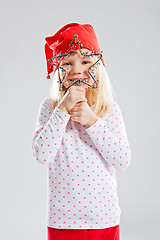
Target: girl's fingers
[
  {"x": 74, "y": 119},
  {"x": 73, "y": 112}
]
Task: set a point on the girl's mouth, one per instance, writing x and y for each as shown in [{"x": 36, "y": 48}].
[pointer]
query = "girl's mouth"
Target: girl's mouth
[
  {"x": 80, "y": 82},
  {"x": 78, "y": 79}
]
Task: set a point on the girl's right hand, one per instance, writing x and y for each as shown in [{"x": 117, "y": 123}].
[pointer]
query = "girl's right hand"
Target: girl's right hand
[{"x": 73, "y": 95}]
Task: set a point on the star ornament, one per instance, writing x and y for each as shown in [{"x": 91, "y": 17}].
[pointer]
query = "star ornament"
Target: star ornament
[{"x": 55, "y": 60}]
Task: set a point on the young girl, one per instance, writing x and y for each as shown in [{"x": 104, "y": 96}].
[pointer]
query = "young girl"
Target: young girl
[{"x": 80, "y": 135}]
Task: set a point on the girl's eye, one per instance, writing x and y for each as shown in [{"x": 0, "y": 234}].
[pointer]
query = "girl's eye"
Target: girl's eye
[
  {"x": 86, "y": 62},
  {"x": 66, "y": 63}
]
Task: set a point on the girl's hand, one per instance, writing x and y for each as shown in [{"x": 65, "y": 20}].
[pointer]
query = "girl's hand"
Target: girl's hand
[
  {"x": 74, "y": 95},
  {"x": 82, "y": 113}
]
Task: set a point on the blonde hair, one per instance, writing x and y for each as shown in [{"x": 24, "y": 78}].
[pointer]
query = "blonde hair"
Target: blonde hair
[{"x": 103, "y": 96}]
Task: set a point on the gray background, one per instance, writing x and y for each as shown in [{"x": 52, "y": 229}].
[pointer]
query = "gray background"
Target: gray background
[{"x": 128, "y": 34}]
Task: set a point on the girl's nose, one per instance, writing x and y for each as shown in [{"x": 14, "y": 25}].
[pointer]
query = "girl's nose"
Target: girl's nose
[{"x": 77, "y": 68}]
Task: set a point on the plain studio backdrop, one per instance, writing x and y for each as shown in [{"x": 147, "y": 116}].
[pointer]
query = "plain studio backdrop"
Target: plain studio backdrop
[{"x": 128, "y": 34}]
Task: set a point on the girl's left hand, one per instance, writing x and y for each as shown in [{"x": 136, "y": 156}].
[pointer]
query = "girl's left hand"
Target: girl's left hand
[{"x": 82, "y": 113}]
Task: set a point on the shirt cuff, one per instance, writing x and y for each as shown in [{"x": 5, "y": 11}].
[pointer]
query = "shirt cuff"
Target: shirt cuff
[
  {"x": 94, "y": 126},
  {"x": 64, "y": 116}
]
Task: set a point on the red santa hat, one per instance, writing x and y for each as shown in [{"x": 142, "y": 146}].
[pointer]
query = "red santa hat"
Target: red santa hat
[{"x": 58, "y": 44}]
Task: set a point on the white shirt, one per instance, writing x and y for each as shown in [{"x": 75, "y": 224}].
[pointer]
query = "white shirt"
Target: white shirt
[{"x": 82, "y": 164}]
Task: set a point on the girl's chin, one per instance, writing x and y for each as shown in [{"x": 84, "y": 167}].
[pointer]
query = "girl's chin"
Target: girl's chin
[{"x": 85, "y": 88}]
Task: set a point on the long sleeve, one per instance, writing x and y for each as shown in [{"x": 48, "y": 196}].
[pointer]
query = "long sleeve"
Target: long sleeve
[
  {"x": 110, "y": 137},
  {"x": 49, "y": 131}
]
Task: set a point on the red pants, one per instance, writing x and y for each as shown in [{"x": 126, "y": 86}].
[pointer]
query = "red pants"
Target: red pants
[{"x": 111, "y": 233}]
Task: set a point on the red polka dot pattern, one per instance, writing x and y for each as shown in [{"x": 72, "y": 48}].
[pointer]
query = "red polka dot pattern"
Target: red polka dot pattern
[{"x": 82, "y": 164}]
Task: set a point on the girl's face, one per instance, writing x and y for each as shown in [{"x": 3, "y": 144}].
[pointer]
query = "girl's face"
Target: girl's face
[{"x": 76, "y": 66}]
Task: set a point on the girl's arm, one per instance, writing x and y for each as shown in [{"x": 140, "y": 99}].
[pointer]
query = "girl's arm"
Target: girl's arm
[
  {"x": 110, "y": 138},
  {"x": 49, "y": 131}
]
